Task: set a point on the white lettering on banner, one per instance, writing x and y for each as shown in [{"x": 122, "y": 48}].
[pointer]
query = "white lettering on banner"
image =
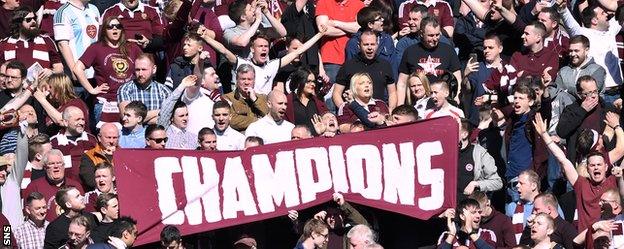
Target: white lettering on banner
[
  {"x": 237, "y": 194},
  {"x": 358, "y": 156},
  {"x": 399, "y": 175},
  {"x": 164, "y": 167},
  {"x": 273, "y": 186},
  {"x": 296, "y": 177},
  {"x": 309, "y": 187},
  {"x": 429, "y": 176}
]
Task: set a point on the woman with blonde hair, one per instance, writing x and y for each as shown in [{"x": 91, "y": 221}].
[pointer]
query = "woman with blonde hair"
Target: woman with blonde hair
[
  {"x": 361, "y": 106},
  {"x": 56, "y": 94},
  {"x": 418, "y": 94}
]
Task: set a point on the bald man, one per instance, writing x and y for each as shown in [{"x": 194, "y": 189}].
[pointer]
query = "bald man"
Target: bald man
[
  {"x": 73, "y": 140},
  {"x": 272, "y": 128},
  {"x": 108, "y": 142}
]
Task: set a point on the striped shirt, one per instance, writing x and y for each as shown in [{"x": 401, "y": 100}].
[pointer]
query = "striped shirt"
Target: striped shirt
[
  {"x": 519, "y": 212},
  {"x": 152, "y": 96},
  {"x": 180, "y": 139},
  {"x": 28, "y": 235},
  {"x": 78, "y": 26},
  {"x": 40, "y": 49}
]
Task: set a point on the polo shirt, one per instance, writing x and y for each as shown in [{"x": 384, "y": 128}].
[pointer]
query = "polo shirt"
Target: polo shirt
[
  {"x": 438, "y": 8},
  {"x": 269, "y": 130},
  {"x": 40, "y": 49},
  {"x": 144, "y": 20},
  {"x": 73, "y": 150},
  {"x": 265, "y": 74},
  {"x": 379, "y": 70},
  {"x": 199, "y": 110},
  {"x": 151, "y": 95},
  {"x": 78, "y": 26},
  {"x": 535, "y": 63},
  {"x": 132, "y": 139},
  {"x": 333, "y": 48},
  {"x": 432, "y": 62},
  {"x": 180, "y": 139},
  {"x": 229, "y": 139}
]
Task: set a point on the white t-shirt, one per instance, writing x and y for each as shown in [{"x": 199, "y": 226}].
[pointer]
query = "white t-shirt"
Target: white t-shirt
[
  {"x": 265, "y": 74},
  {"x": 269, "y": 131},
  {"x": 200, "y": 111}
]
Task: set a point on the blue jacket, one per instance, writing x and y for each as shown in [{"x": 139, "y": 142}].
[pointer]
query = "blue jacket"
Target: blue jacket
[{"x": 385, "y": 47}]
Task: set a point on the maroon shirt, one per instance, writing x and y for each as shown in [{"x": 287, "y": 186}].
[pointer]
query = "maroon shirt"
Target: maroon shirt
[
  {"x": 74, "y": 149},
  {"x": 588, "y": 198},
  {"x": 5, "y": 20},
  {"x": 211, "y": 21},
  {"x": 535, "y": 63},
  {"x": 111, "y": 66},
  {"x": 48, "y": 190},
  {"x": 440, "y": 9},
  {"x": 47, "y": 21},
  {"x": 40, "y": 49},
  {"x": 500, "y": 224},
  {"x": 144, "y": 20},
  {"x": 346, "y": 115}
]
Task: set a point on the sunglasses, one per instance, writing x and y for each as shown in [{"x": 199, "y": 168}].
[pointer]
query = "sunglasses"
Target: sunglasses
[
  {"x": 115, "y": 26},
  {"x": 29, "y": 19},
  {"x": 159, "y": 140}
]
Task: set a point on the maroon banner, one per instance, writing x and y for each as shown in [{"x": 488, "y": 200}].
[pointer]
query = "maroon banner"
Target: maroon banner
[{"x": 409, "y": 169}]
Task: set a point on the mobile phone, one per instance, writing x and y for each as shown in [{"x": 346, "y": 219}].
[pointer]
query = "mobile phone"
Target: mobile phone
[
  {"x": 138, "y": 36},
  {"x": 473, "y": 57}
]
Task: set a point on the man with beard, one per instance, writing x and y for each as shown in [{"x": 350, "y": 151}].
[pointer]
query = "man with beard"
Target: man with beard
[
  {"x": 104, "y": 183},
  {"x": 272, "y": 128},
  {"x": 227, "y": 137},
  {"x": 79, "y": 233},
  {"x": 339, "y": 220},
  {"x": 108, "y": 142},
  {"x": 55, "y": 179},
  {"x": 581, "y": 64},
  {"x": 71, "y": 201},
  {"x": 32, "y": 232},
  {"x": 144, "y": 89},
  {"x": 74, "y": 140},
  {"x": 27, "y": 45}
]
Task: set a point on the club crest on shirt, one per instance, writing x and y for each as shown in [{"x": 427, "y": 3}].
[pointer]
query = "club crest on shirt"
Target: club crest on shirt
[
  {"x": 144, "y": 16},
  {"x": 120, "y": 66},
  {"x": 91, "y": 31},
  {"x": 469, "y": 167}
]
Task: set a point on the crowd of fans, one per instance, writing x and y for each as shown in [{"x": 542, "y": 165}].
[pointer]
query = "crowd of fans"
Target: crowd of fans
[{"x": 534, "y": 85}]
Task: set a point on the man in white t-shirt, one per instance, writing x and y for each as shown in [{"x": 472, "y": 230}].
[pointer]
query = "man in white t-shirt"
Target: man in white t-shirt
[
  {"x": 272, "y": 128},
  {"x": 439, "y": 95},
  {"x": 199, "y": 101},
  {"x": 227, "y": 137}
]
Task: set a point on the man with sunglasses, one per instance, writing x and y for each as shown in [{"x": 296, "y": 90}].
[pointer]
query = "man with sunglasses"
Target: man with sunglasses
[
  {"x": 588, "y": 112},
  {"x": 28, "y": 45},
  {"x": 155, "y": 137}
]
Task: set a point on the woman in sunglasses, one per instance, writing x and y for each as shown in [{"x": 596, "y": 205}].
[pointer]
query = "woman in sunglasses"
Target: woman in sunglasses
[{"x": 112, "y": 58}]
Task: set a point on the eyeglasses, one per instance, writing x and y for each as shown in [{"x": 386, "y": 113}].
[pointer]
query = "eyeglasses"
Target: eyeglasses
[
  {"x": 29, "y": 19},
  {"x": 9, "y": 77},
  {"x": 158, "y": 140},
  {"x": 114, "y": 26},
  {"x": 594, "y": 92}
]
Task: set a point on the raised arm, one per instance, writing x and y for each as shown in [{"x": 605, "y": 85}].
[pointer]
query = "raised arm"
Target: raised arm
[
  {"x": 566, "y": 165},
  {"x": 294, "y": 54},
  {"x": 231, "y": 57},
  {"x": 477, "y": 8},
  {"x": 613, "y": 122},
  {"x": 568, "y": 20},
  {"x": 168, "y": 104},
  {"x": 52, "y": 112},
  {"x": 242, "y": 40},
  {"x": 277, "y": 25}
]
